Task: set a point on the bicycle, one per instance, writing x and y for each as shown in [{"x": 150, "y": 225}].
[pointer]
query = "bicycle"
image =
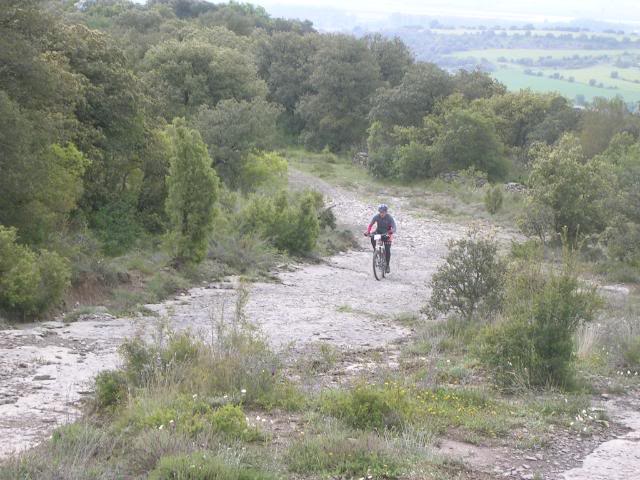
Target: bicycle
[{"x": 379, "y": 257}]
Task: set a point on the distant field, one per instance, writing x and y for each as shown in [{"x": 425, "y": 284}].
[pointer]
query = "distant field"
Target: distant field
[
  {"x": 538, "y": 33},
  {"x": 513, "y": 74},
  {"x": 492, "y": 54},
  {"x": 516, "y": 79}
]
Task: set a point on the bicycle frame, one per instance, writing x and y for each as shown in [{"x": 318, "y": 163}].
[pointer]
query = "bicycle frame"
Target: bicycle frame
[{"x": 379, "y": 257}]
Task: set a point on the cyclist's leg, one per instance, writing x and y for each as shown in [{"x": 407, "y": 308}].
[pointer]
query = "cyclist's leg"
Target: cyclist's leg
[
  {"x": 373, "y": 242},
  {"x": 387, "y": 252}
]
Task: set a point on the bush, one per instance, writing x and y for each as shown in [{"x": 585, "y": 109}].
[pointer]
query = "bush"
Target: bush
[
  {"x": 472, "y": 276},
  {"x": 262, "y": 169},
  {"x": 117, "y": 227},
  {"x": 534, "y": 344},
  {"x": 202, "y": 466},
  {"x": 413, "y": 161},
  {"x": 111, "y": 389},
  {"x": 291, "y": 225},
  {"x": 337, "y": 456},
  {"x": 493, "y": 199},
  {"x": 30, "y": 283},
  {"x": 623, "y": 242},
  {"x": 231, "y": 421},
  {"x": 367, "y": 407},
  {"x": 537, "y": 220}
]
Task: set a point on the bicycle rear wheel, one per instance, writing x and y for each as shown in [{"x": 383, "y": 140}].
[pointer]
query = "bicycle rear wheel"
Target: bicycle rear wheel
[{"x": 378, "y": 265}]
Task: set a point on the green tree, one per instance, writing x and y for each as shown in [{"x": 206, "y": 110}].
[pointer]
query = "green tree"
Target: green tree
[
  {"x": 263, "y": 169},
  {"x": 477, "y": 84},
  {"x": 601, "y": 121},
  {"x": 413, "y": 160},
  {"x": 393, "y": 57},
  {"x": 414, "y": 98},
  {"x": 576, "y": 190},
  {"x": 233, "y": 129},
  {"x": 190, "y": 73},
  {"x": 285, "y": 63},
  {"x": 469, "y": 139},
  {"x": 345, "y": 75},
  {"x": 40, "y": 184},
  {"x": 192, "y": 193}
]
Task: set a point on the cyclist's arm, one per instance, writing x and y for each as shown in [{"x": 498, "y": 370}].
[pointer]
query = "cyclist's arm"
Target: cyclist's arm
[
  {"x": 371, "y": 223},
  {"x": 392, "y": 227}
]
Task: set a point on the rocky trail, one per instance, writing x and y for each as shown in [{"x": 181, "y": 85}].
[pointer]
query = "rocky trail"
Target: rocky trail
[{"x": 46, "y": 368}]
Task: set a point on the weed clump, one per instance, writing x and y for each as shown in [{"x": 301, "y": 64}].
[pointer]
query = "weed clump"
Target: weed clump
[
  {"x": 203, "y": 466},
  {"x": 336, "y": 455},
  {"x": 493, "y": 199}
]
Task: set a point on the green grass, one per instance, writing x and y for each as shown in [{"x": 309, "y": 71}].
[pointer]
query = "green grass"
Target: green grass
[
  {"x": 515, "y": 79},
  {"x": 513, "y": 76},
  {"x": 492, "y": 54}
]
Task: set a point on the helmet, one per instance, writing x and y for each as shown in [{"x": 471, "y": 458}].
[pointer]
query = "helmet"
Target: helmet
[{"x": 382, "y": 208}]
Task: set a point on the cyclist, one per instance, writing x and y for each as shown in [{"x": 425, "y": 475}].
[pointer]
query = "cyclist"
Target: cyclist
[{"x": 386, "y": 226}]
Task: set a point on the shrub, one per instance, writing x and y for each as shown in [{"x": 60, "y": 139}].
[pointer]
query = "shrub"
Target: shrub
[
  {"x": 111, "y": 389},
  {"x": 623, "y": 242},
  {"x": 262, "y": 169},
  {"x": 291, "y": 225},
  {"x": 536, "y": 220},
  {"x": 368, "y": 407},
  {"x": 117, "y": 227},
  {"x": 30, "y": 283},
  {"x": 533, "y": 345},
  {"x": 493, "y": 199},
  {"x": 471, "y": 276},
  {"x": 337, "y": 456},
  {"x": 413, "y": 161},
  {"x": 231, "y": 421},
  {"x": 202, "y": 466}
]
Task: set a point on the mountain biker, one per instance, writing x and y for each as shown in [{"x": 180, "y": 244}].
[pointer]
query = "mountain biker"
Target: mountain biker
[{"x": 386, "y": 226}]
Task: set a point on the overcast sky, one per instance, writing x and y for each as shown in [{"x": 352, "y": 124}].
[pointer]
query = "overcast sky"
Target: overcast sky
[{"x": 533, "y": 10}]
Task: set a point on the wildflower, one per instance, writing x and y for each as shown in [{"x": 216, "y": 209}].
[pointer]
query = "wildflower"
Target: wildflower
[
  {"x": 194, "y": 396},
  {"x": 243, "y": 391},
  {"x": 161, "y": 427}
]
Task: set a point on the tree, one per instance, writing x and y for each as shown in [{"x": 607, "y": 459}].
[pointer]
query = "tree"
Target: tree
[
  {"x": 393, "y": 57},
  {"x": 602, "y": 121},
  {"x": 468, "y": 140},
  {"x": 576, "y": 190},
  {"x": 192, "y": 193},
  {"x": 193, "y": 72},
  {"x": 477, "y": 84},
  {"x": 40, "y": 183},
  {"x": 517, "y": 115},
  {"x": 285, "y": 63},
  {"x": 414, "y": 98},
  {"x": 233, "y": 129},
  {"x": 345, "y": 75}
]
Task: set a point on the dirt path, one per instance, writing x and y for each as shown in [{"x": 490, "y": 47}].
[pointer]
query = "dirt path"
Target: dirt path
[{"x": 46, "y": 368}]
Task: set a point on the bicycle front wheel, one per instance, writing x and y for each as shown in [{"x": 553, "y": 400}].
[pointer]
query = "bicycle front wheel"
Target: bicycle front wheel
[{"x": 378, "y": 265}]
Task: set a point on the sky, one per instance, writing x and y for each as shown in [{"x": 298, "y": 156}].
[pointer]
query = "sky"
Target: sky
[{"x": 625, "y": 11}]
